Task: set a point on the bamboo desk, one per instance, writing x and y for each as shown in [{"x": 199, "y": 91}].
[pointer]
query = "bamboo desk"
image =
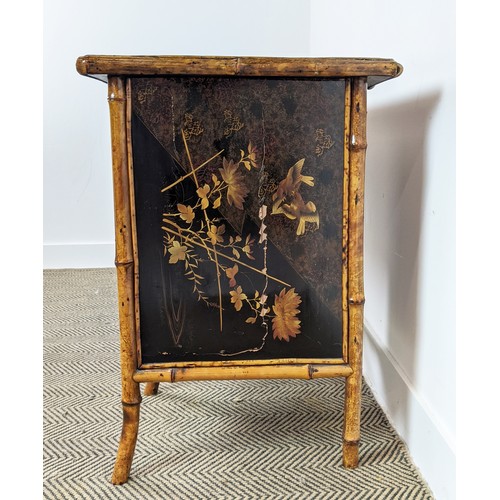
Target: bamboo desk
[{"x": 238, "y": 191}]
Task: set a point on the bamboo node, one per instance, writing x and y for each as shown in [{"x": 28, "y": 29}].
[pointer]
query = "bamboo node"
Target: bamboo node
[
  {"x": 125, "y": 263},
  {"x": 113, "y": 97},
  {"x": 357, "y": 301},
  {"x": 354, "y": 442},
  {"x": 357, "y": 144},
  {"x": 135, "y": 403}
]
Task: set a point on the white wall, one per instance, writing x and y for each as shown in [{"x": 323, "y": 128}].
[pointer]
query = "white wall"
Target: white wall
[
  {"x": 410, "y": 216},
  {"x": 78, "y": 210},
  {"x": 410, "y": 195}
]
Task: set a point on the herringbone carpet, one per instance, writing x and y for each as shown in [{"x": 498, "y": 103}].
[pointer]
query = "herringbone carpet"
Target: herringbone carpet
[{"x": 277, "y": 439}]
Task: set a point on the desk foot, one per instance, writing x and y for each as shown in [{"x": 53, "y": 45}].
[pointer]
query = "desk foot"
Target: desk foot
[
  {"x": 350, "y": 454},
  {"x": 126, "y": 447},
  {"x": 151, "y": 388}
]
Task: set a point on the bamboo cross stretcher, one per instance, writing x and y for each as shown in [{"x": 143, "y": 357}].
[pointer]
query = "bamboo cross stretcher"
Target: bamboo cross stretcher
[{"x": 358, "y": 74}]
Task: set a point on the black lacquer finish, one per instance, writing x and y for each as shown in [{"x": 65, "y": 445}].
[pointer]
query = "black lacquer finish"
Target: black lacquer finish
[{"x": 257, "y": 229}]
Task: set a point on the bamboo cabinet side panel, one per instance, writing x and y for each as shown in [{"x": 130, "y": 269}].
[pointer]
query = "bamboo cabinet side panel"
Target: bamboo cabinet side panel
[{"x": 238, "y": 192}]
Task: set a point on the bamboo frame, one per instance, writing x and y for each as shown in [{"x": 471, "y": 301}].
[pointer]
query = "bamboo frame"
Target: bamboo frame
[
  {"x": 359, "y": 74},
  {"x": 376, "y": 70},
  {"x": 133, "y": 235},
  {"x": 131, "y": 396},
  {"x": 151, "y": 388},
  {"x": 306, "y": 371},
  {"x": 244, "y": 362},
  {"x": 352, "y": 416},
  {"x": 345, "y": 222}
]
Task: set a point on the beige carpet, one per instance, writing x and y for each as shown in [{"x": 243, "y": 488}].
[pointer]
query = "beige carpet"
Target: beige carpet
[{"x": 270, "y": 439}]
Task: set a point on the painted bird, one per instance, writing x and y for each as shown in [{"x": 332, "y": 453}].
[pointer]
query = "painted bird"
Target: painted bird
[
  {"x": 291, "y": 183},
  {"x": 288, "y": 201},
  {"x": 304, "y": 212}
]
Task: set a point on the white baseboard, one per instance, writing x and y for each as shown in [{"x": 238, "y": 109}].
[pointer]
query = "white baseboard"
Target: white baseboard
[
  {"x": 412, "y": 419},
  {"x": 79, "y": 256}
]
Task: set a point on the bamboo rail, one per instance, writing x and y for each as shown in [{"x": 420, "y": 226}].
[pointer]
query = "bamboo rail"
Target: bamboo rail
[
  {"x": 345, "y": 221},
  {"x": 243, "y": 362},
  {"x": 376, "y": 70},
  {"x": 306, "y": 371},
  {"x": 128, "y": 132}
]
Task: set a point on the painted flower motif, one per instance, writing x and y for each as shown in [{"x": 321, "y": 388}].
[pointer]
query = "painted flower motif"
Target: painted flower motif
[
  {"x": 202, "y": 192},
  {"x": 236, "y": 191},
  {"x": 215, "y": 233},
  {"x": 231, "y": 272},
  {"x": 247, "y": 249},
  {"x": 250, "y": 160},
  {"x": 177, "y": 251},
  {"x": 237, "y": 298},
  {"x": 186, "y": 212},
  {"x": 252, "y": 155},
  {"x": 285, "y": 323}
]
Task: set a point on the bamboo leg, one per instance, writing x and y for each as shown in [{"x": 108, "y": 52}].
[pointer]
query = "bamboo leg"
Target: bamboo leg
[
  {"x": 151, "y": 388},
  {"x": 131, "y": 395},
  {"x": 352, "y": 427},
  {"x": 126, "y": 447},
  {"x": 356, "y": 299}
]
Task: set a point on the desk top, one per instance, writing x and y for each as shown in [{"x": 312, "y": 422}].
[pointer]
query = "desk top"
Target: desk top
[{"x": 376, "y": 70}]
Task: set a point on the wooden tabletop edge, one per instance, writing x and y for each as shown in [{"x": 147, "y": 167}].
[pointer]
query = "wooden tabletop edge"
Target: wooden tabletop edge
[{"x": 237, "y": 66}]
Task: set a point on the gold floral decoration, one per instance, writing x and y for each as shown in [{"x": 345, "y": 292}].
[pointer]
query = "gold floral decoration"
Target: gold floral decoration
[
  {"x": 237, "y": 298},
  {"x": 145, "y": 94},
  {"x": 186, "y": 212},
  {"x": 233, "y": 123},
  {"x": 286, "y": 308},
  {"x": 177, "y": 251},
  {"x": 236, "y": 190},
  {"x": 197, "y": 238},
  {"x": 231, "y": 272},
  {"x": 324, "y": 141},
  {"x": 250, "y": 160},
  {"x": 202, "y": 192},
  {"x": 192, "y": 127},
  {"x": 215, "y": 233}
]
